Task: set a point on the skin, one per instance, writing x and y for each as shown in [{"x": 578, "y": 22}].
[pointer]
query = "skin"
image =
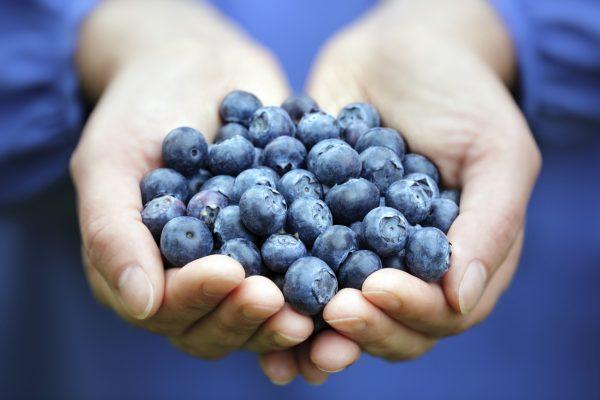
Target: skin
[
  {"x": 171, "y": 70},
  {"x": 438, "y": 72}
]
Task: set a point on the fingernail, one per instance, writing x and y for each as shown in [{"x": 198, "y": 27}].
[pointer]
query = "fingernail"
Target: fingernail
[
  {"x": 219, "y": 286},
  {"x": 135, "y": 292},
  {"x": 285, "y": 340},
  {"x": 472, "y": 286},
  {"x": 332, "y": 371},
  {"x": 383, "y": 299},
  {"x": 352, "y": 324},
  {"x": 257, "y": 313}
]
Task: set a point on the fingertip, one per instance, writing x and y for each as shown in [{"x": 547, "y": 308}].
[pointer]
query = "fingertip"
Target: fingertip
[
  {"x": 279, "y": 366},
  {"x": 332, "y": 352}
]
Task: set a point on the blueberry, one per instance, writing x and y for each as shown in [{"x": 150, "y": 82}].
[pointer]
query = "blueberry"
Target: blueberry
[
  {"x": 254, "y": 176},
  {"x": 381, "y": 166},
  {"x": 382, "y": 201},
  {"x": 359, "y": 228},
  {"x": 334, "y": 245},
  {"x": 386, "y": 137},
  {"x": 162, "y": 181},
  {"x": 246, "y": 253},
  {"x": 284, "y": 154},
  {"x": 308, "y": 217},
  {"x": 315, "y": 127},
  {"x": 298, "y": 105},
  {"x": 239, "y": 106},
  {"x": 231, "y": 156},
  {"x": 196, "y": 181},
  {"x": 337, "y": 164},
  {"x": 442, "y": 214},
  {"x": 428, "y": 254},
  {"x": 418, "y": 163},
  {"x": 319, "y": 149},
  {"x": 352, "y": 200},
  {"x": 357, "y": 267},
  {"x": 353, "y": 131},
  {"x": 319, "y": 323},
  {"x": 263, "y": 210},
  {"x": 326, "y": 189},
  {"x": 228, "y": 225},
  {"x": 364, "y": 112},
  {"x": 409, "y": 197},
  {"x": 258, "y": 158},
  {"x": 278, "y": 280},
  {"x": 159, "y": 211},
  {"x": 426, "y": 181},
  {"x": 280, "y": 251},
  {"x": 386, "y": 231},
  {"x": 185, "y": 150},
  {"x": 309, "y": 284},
  {"x": 185, "y": 239},
  {"x": 222, "y": 184},
  {"x": 395, "y": 261},
  {"x": 230, "y": 130},
  {"x": 298, "y": 183},
  {"x": 269, "y": 123},
  {"x": 206, "y": 205},
  {"x": 451, "y": 194}
]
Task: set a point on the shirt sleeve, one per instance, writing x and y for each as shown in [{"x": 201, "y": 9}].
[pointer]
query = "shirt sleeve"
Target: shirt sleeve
[{"x": 557, "y": 44}]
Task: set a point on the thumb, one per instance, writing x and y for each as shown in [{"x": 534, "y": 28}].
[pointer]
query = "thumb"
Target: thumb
[{"x": 115, "y": 241}]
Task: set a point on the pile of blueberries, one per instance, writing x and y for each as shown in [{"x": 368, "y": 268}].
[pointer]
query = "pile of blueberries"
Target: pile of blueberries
[{"x": 313, "y": 202}]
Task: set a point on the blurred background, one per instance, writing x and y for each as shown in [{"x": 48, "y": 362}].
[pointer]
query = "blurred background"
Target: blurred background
[{"x": 541, "y": 342}]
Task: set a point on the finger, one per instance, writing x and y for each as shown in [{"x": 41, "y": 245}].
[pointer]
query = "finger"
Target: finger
[
  {"x": 283, "y": 330},
  {"x": 279, "y": 366},
  {"x": 308, "y": 369},
  {"x": 235, "y": 320},
  {"x": 496, "y": 190},
  {"x": 423, "y": 307},
  {"x": 331, "y": 352},
  {"x": 378, "y": 334}
]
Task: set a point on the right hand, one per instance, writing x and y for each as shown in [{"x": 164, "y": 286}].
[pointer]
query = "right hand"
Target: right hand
[{"x": 207, "y": 307}]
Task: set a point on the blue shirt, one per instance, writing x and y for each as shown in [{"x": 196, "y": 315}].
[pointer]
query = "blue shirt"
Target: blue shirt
[{"x": 56, "y": 342}]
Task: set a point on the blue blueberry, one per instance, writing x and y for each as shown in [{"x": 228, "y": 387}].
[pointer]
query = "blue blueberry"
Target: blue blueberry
[
  {"x": 309, "y": 284},
  {"x": 319, "y": 149},
  {"x": 411, "y": 198},
  {"x": 185, "y": 150},
  {"x": 253, "y": 176},
  {"x": 246, "y": 253},
  {"x": 263, "y": 210},
  {"x": 206, "y": 205},
  {"x": 317, "y": 126},
  {"x": 386, "y": 231},
  {"x": 298, "y": 105},
  {"x": 196, "y": 181},
  {"x": 428, "y": 254},
  {"x": 231, "y": 156},
  {"x": 159, "y": 211},
  {"x": 357, "y": 267},
  {"x": 353, "y": 131},
  {"x": 230, "y": 130},
  {"x": 381, "y": 166},
  {"x": 426, "y": 181},
  {"x": 280, "y": 251},
  {"x": 334, "y": 245},
  {"x": 386, "y": 137},
  {"x": 395, "y": 261},
  {"x": 319, "y": 323},
  {"x": 417, "y": 163},
  {"x": 222, "y": 184},
  {"x": 284, "y": 154},
  {"x": 278, "y": 280},
  {"x": 185, "y": 239},
  {"x": 336, "y": 165},
  {"x": 269, "y": 123},
  {"x": 258, "y": 158},
  {"x": 364, "y": 112},
  {"x": 163, "y": 181},
  {"x": 239, "y": 106},
  {"x": 228, "y": 225},
  {"x": 452, "y": 195},
  {"x": 442, "y": 214},
  {"x": 307, "y": 218},
  {"x": 352, "y": 200},
  {"x": 326, "y": 189},
  {"x": 298, "y": 183}
]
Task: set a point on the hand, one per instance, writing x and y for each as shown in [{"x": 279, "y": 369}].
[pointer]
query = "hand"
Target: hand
[
  {"x": 158, "y": 65},
  {"x": 437, "y": 71}
]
